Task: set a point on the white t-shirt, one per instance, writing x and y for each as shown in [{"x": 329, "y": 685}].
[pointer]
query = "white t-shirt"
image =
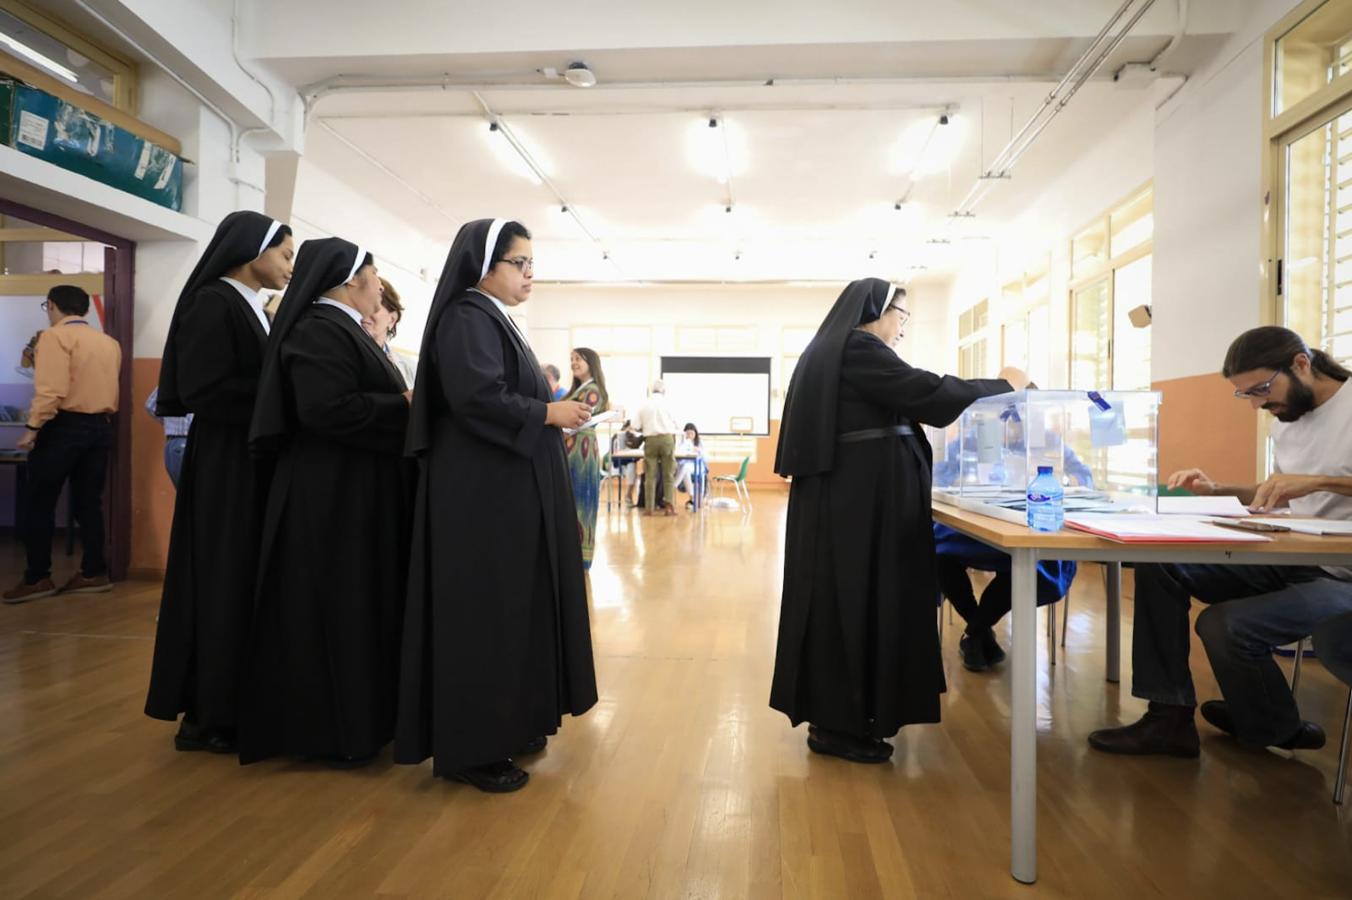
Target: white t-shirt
[
  {"x": 1319, "y": 443},
  {"x": 655, "y": 417}
]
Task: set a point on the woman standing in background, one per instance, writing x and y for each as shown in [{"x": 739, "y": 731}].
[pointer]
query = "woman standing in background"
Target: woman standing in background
[{"x": 584, "y": 447}]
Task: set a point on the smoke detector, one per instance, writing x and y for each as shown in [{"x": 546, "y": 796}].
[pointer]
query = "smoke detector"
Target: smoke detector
[{"x": 578, "y": 75}]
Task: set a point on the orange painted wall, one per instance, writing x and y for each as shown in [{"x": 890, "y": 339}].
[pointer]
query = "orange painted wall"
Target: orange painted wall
[
  {"x": 152, "y": 493},
  {"x": 1202, "y": 425}
]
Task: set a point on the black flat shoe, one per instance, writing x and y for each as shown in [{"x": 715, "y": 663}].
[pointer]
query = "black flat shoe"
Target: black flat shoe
[
  {"x": 534, "y": 745},
  {"x": 846, "y": 746},
  {"x": 193, "y": 738},
  {"x": 973, "y": 653},
  {"x": 495, "y": 778}
]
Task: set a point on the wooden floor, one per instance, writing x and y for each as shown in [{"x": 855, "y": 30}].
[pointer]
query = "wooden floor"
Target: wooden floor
[{"x": 680, "y": 783}]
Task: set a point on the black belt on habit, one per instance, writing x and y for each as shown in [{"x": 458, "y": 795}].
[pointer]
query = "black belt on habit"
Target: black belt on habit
[{"x": 873, "y": 434}]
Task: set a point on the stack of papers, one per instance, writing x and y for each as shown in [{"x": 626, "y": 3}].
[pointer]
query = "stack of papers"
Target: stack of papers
[
  {"x": 1145, "y": 529},
  {"x": 1225, "y": 507}
]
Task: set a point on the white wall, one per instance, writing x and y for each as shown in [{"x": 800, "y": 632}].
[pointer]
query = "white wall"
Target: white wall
[
  {"x": 326, "y": 207},
  {"x": 1208, "y": 206},
  {"x": 1104, "y": 172}
]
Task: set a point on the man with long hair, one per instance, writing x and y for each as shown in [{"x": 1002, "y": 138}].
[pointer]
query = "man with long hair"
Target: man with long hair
[{"x": 1251, "y": 609}]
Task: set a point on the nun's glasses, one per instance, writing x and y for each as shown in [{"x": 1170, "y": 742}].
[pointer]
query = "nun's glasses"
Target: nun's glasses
[
  {"x": 905, "y": 314},
  {"x": 522, "y": 263}
]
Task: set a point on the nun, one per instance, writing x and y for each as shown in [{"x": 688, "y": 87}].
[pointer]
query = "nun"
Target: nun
[
  {"x": 858, "y": 651},
  {"x": 320, "y": 675},
  {"x": 210, "y": 368},
  {"x": 497, "y": 643}
]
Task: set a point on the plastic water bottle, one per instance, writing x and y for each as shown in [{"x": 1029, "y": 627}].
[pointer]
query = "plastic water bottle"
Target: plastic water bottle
[{"x": 1046, "y": 502}]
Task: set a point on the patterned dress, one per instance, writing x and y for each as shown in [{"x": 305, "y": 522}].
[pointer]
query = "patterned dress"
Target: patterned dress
[{"x": 584, "y": 465}]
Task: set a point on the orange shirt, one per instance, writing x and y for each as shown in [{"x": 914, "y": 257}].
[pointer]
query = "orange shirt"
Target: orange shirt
[{"x": 75, "y": 369}]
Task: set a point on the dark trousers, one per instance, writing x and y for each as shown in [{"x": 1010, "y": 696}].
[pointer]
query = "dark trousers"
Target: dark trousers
[
  {"x": 1251, "y": 610},
  {"x": 71, "y": 446},
  {"x": 996, "y": 599},
  {"x": 956, "y": 585}
]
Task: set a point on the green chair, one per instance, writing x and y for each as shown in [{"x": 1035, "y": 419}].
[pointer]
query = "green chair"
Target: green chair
[{"x": 737, "y": 481}]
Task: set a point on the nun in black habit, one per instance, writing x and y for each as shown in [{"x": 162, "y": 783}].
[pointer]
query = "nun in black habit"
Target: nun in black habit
[
  {"x": 497, "y": 643},
  {"x": 320, "y": 679},
  {"x": 212, "y": 360},
  {"x": 858, "y": 654}
]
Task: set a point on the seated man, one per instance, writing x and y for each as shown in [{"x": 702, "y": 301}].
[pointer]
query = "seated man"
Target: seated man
[
  {"x": 955, "y": 553},
  {"x": 1252, "y": 608}
]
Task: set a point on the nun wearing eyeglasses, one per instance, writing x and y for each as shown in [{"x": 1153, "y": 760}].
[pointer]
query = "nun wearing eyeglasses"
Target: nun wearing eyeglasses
[
  {"x": 858, "y": 653},
  {"x": 497, "y": 642},
  {"x": 320, "y": 675},
  {"x": 212, "y": 361}
]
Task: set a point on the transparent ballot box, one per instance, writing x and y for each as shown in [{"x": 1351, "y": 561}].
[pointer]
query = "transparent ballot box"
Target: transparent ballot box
[{"x": 1102, "y": 447}]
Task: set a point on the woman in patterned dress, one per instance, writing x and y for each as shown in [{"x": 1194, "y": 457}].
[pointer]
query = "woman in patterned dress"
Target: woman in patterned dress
[{"x": 584, "y": 448}]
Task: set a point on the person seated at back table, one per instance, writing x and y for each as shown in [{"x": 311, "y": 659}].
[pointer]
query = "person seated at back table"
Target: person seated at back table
[
  {"x": 956, "y": 554},
  {"x": 1252, "y": 609}
]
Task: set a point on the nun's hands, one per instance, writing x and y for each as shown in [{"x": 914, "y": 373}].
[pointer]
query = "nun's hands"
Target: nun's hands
[
  {"x": 1018, "y": 379},
  {"x": 567, "y": 414},
  {"x": 408, "y": 395}
]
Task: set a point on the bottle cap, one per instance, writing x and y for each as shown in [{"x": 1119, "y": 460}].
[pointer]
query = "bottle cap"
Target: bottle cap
[{"x": 1044, "y": 470}]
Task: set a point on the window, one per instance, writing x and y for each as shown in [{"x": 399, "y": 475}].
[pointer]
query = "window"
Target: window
[
  {"x": 35, "y": 39},
  {"x": 1109, "y": 296},
  {"x": 972, "y": 341},
  {"x": 1316, "y": 249},
  {"x": 1312, "y": 54}
]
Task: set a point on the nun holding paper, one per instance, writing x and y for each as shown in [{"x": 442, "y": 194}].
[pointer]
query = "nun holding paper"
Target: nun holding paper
[{"x": 497, "y": 641}]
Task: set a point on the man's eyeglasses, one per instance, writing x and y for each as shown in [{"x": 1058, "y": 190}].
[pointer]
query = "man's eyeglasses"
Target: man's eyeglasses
[
  {"x": 1259, "y": 390},
  {"x": 46, "y": 305},
  {"x": 522, "y": 263}
]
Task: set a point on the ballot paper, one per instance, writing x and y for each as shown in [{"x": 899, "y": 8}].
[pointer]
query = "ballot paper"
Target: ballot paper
[
  {"x": 1135, "y": 528},
  {"x": 598, "y": 419},
  {"x": 1225, "y": 507}
]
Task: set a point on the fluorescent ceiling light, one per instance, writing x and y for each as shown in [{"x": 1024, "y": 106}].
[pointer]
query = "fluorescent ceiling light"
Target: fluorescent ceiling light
[
  {"x": 507, "y": 154},
  {"x": 32, "y": 55},
  {"x": 717, "y": 148}
]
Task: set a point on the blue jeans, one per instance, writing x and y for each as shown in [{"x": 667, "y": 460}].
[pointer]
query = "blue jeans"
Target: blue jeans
[
  {"x": 174, "y": 448},
  {"x": 1251, "y": 609}
]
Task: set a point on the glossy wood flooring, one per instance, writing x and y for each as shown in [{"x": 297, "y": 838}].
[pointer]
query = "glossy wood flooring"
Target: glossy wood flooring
[{"x": 680, "y": 783}]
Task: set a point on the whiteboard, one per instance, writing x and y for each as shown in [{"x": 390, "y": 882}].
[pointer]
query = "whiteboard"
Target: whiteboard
[{"x": 713, "y": 391}]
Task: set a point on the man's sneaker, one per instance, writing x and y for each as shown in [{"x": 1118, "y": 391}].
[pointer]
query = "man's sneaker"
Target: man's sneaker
[
  {"x": 23, "y": 591},
  {"x": 78, "y": 584}
]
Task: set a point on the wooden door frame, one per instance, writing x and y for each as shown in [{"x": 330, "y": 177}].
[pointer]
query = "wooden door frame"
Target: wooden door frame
[{"x": 120, "y": 316}]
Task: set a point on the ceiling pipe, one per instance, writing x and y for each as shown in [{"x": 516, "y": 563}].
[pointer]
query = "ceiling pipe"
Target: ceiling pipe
[{"x": 1084, "y": 68}]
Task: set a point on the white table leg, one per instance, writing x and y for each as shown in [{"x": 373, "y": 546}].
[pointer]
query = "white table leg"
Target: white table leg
[
  {"x": 1023, "y": 719},
  {"x": 1113, "y": 653}
]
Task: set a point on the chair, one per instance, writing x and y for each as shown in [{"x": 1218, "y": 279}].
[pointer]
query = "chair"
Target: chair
[
  {"x": 1333, "y": 644},
  {"x": 737, "y": 481}
]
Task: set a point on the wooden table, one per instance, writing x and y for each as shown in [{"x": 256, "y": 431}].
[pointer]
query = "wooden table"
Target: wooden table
[{"x": 1026, "y": 548}]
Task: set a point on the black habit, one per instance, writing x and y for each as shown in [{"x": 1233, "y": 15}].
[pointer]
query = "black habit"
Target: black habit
[
  {"x": 322, "y": 668},
  {"x": 211, "y": 365},
  {"x": 858, "y": 647},
  {"x": 497, "y": 642}
]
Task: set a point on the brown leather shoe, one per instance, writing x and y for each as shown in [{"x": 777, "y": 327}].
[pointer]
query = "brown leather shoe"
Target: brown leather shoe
[
  {"x": 78, "y": 584},
  {"x": 23, "y": 591},
  {"x": 1162, "y": 731}
]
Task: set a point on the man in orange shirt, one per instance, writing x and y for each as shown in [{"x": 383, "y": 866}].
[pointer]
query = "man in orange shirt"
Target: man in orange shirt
[{"x": 69, "y": 433}]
